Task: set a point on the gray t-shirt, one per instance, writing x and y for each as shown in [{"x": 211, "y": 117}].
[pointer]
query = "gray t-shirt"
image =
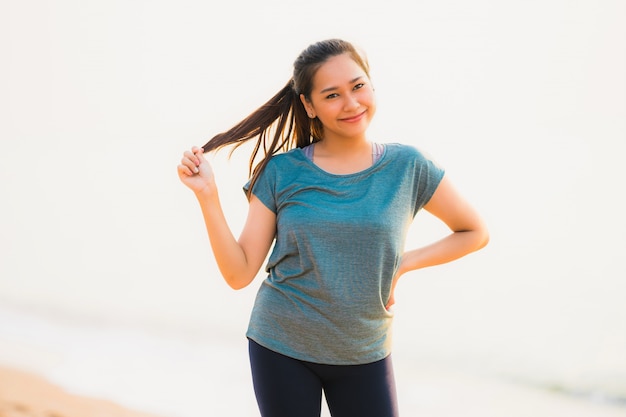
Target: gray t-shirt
[{"x": 339, "y": 242}]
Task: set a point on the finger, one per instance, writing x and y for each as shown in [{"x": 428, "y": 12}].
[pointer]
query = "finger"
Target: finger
[
  {"x": 182, "y": 169},
  {"x": 192, "y": 156},
  {"x": 390, "y": 302},
  {"x": 191, "y": 161},
  {"x": 198, "y": 153},
  {"x": 190, "y": 165}
]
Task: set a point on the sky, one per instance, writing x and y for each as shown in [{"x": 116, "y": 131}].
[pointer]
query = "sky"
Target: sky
[{"x": 523, "y": 103}]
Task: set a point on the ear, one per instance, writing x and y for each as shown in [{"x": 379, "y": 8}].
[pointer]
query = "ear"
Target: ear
[{"x": 307, "y": 106}]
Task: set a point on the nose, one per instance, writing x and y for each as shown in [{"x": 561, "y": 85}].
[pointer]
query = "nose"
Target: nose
[{"x": 351, "y": 102}]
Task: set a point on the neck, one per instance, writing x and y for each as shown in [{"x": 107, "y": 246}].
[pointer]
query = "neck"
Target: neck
[
  {"x": 343, "y": 146},
  {"x": 343, "y": 157}
]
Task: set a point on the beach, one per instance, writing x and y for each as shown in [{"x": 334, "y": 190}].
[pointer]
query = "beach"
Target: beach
[
  {"x": 64, "y": 367},
  {"x": 26, "y": 395},
  {"x": 111, "y": 303}
]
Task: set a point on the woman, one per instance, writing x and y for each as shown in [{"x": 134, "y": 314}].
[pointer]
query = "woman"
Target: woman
[{"x": 338, "y": 207}]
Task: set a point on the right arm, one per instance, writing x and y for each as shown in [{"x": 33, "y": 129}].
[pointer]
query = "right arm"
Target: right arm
[{"x": 239, "y": 260}]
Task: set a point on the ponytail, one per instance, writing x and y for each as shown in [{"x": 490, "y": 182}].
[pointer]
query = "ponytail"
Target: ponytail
[
  {"x": 282, "y": 123},
  {"x": 279, "y": 125}
]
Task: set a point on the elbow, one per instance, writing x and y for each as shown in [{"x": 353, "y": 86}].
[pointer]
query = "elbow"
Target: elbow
[
  {"x": 237, "y": 286},
  {"x": 238, "y": 282},
  {"x": 482, "y": 237},
  {"x": 476, "y": 237}
]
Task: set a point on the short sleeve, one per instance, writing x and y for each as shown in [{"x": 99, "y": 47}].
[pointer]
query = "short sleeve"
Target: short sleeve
[
  {"x": 264, "y": 187},
  {"x": 428, "y": 175}
]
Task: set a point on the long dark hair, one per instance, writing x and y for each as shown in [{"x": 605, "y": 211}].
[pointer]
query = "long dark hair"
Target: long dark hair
[{"x": 282, "y": 123}]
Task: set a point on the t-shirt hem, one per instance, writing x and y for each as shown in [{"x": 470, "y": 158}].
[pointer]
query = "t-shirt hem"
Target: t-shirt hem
[{"x": 306, "y": 358}]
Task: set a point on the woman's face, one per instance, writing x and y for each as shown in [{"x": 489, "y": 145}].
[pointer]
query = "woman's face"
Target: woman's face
[{"x": 342, "y": 98}]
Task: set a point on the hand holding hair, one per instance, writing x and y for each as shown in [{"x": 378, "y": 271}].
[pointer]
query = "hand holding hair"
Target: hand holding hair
[{"x": 195, "y": 171}]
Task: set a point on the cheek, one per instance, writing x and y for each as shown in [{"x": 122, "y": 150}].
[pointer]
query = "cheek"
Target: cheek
[
  {"x": 369, "y": 100},
  {"x": 326, "y": 109}
]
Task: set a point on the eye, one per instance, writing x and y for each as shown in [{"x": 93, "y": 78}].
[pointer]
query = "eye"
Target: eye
[
  {"x": 333, "y": 95},
  {"x": 358, "y": 86}
]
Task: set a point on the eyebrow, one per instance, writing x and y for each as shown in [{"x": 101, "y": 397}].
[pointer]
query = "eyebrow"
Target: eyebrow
[{"x": 326, "y": 90}]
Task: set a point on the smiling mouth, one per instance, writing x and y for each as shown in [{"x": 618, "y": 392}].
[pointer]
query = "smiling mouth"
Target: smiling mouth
[{"x": 354, "y": 118}]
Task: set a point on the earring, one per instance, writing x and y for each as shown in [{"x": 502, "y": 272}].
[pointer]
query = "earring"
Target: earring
[{"x": 311, "y": 116}]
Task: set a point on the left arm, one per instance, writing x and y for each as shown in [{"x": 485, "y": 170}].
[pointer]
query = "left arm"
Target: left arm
[{"x": 469, "y": 233}]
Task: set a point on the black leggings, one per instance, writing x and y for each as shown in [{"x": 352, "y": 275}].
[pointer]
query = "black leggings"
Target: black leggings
[{"x": 287, "y": 387}]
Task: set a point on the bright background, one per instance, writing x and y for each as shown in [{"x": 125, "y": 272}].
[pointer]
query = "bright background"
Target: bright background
[{"x": 523, "y": 102}]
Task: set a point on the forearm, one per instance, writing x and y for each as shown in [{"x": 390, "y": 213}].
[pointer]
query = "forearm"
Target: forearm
[
  {"x": 229, "y": 255},
  {"x": 453, "y": 246}
]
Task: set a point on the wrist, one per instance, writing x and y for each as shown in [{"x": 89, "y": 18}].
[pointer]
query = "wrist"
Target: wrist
[{"x": 207, "y": 192}]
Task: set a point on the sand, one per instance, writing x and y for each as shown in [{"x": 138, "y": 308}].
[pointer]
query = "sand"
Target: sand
[
  {"x": 23, "y": 394},
  {"x": 26, "y": 395}
]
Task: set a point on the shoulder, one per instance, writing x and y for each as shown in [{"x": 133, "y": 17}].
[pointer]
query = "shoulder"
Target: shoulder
[
  {"x": 281, "y": 165},
  {"x": 284, "y": 166},
  {"x": 400, "y": 151},
  {"x": 287, "y": 159}
]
